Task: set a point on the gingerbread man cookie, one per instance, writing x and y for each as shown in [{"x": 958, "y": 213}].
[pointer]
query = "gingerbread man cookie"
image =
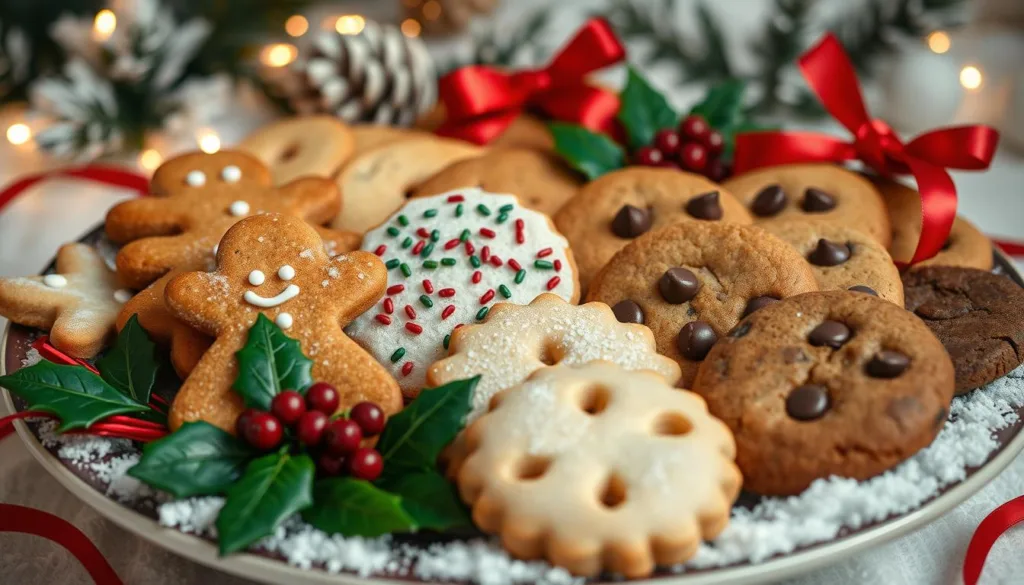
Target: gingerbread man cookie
[
  {"x": 450, "y": 257},
  {"x": 276, "y": 265},
  {"x": 197, "y": 197},
  {"x": 78, "y": 303},
  {"x": 598, "y": 468},
  {"x": 303, "y": 146}
]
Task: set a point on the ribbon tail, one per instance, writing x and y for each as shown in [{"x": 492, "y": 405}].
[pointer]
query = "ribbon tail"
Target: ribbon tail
[
  {"x": 762, "y": 149},
  {"x": 591, "y": 107},
  {"x": 479, "y": 130},
  {"x": 593, "y": 47},
  {"x": 938, "y": 207},
  {"x": 959, "y": 147},
  {"x": 829, "y": 72},
  {"x": 991, "y": 528}
]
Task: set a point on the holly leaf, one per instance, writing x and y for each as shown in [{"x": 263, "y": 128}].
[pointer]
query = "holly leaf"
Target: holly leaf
[
  {"x": 722, "y": 106},
  {"x": 430, "y": 500},
  {"x": 643, "y": 111},
  {"x": 270, "y": 363},
  {"x": 131, "y": 365},
  {"x": 198, "y": 459},
  {"x": 273, "y": 488},
  {"x": 588, "y": 152},
  {"x": 72, "y": 393},
  {"x": 353, "y": 507},
  {"x": 413, "y": 438}
]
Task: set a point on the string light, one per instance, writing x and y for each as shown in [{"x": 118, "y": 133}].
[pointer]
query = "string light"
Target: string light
[
  {"x": 278, "y": 54},
  {"x": 970, "y": 77},
  {"x": 350, "y": 24},
  {"x": 18, "y": 134},
  {"x": 939, "y": 42},
  {"x": 411, "y": 28},
  {"x": 104, "y": 24},
  {"x": 296, "y": 25},
  {"x": 432, "y": 10},
  {"x": 208, "y": 141},
  {"x": 150, "y": 159}
]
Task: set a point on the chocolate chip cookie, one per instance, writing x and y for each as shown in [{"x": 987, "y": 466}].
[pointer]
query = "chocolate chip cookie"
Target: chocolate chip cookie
[
  {"x": 692, "y": 281},
  {"x": 819, "y": 191},
  {"x": 826, "y": 383},
  {"x": 618, "y": 207},
  {"x": 978, "y": 316},
  {"x": 842, "y": 257}
]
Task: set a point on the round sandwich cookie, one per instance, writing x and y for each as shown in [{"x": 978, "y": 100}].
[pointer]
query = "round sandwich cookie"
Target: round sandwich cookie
[
  {"x": 841, "y": 257},
  {"x": 819, "y": 191},
  {"x": 826, "y": 383},
  {"x": 450, "y": 259},
  {"x": 623, "y": 205},
  {"x": 692, "y": 281},
  {"x": 978, "y": 316}
]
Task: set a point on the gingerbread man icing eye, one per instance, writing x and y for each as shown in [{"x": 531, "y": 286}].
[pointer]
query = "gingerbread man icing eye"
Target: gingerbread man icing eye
[
  {"x": 231, "y": 174},
  {"x": 257, "y": 277},
  {"x": 286, "y": 272},
  {"x": 195, "y": 179},
  {"x": 239, "y": 208}
]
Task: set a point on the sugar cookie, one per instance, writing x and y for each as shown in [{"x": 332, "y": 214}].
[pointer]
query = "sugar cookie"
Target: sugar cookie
[{"x": 306, "y": 146}]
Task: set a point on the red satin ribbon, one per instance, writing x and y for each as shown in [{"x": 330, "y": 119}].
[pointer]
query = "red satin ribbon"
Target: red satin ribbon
[
  {"x": 480, "y": 102},
  {"x": 107, "y": 175},
  {"x": 991, "y": 528},
  {"x": 831, "y": 75}
]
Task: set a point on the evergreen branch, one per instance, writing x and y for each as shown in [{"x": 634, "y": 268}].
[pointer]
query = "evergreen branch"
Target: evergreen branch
[{"x": 491, "y": 48}]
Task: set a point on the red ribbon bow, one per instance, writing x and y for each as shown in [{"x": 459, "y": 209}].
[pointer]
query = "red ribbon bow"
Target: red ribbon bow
[
  {"x": 829, "y": 72},
  {"x": 480, "y": 102}
]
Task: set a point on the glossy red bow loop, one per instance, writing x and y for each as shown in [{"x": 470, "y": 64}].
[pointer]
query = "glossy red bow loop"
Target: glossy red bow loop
[
  {"x": 831, "y": 75},
  {"x": 480, "y": 102}
]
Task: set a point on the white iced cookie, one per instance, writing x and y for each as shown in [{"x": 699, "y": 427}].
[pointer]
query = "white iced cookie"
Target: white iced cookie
[
  {"x": 450, "y": 258},
  {"x": 598, "y": 468}
]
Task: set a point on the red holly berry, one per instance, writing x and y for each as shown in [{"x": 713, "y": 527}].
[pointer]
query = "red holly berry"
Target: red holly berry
[
  {"x": 369, "y": 417},
  {"x": 667, "y": 141},
  {"x": 331, "y": 465},
  {"x": 714, "y": 142},
  {"x": 323, "y": 397},
  {"x": 288, "y": 406},
  {"x": 263, "y": 430},
  {"x": 648, "y": 156},
  {"x": 342, "y": 436},
  {"x": 718, "y": 170},
  {"x": 310, "y": 429},
  {"x": 242, "y": 422},
  {"x": 693, "y": 157},
  {"x": 694, "y": 128},
  {"x": 365, "y": 463}
]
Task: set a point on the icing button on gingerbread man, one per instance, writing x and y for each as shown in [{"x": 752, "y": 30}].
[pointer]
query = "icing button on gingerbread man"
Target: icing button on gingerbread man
[{"x": 276, "y": 265}]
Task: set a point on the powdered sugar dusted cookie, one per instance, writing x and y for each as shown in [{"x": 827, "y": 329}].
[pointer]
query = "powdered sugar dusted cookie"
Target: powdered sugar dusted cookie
[
  {"x": 78, "y": 303},
  {"x": 451, "y": 257},
  {"x": 599, "y": 469}
]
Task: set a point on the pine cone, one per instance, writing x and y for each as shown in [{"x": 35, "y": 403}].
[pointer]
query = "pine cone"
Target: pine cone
[{"x": 379, "y": 76}]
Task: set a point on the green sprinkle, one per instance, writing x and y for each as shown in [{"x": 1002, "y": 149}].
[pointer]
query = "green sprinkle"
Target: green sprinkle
[
  {"x": 464, "y": 235},
  {"x": 406, "y": 242},
  {"x": 447, "y": 261},
  {"x": 506, "y": 208},
  {"x": 430, "y": 213},
  {"x": 403, "y": 220},
  {"x": 483, "y": 209},
  {"x": 427, "y": 250},
  {"x": 393, "y": 231},
  {"x": 435, "y": 235},
  {"x": 474, "y": 261},
  {"x": 543, "y": 264},
  {"x": 426, "y": 301},
  {"x": 505, "y": 292},
  {"x": 502, "y": 217},
  {"x": 482, "y": 313},
  {"x": 520, "y": 276},
  {"x": 405, "y": 269},
  {"x": 447, "y": 340},
  {"x": 431, "y": 264},
  {"x": 458, "y": 210},
  {"x": 393, "y": 263},
  {"x": 399, "y": 354}
]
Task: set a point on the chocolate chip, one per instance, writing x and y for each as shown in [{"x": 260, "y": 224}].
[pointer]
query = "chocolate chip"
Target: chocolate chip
[
  {"x": 769, "y": 201},
  {"x": 705, "y": 206},
  {"x": 628, "y": 312},
  {"x": 864, "y": 289},
  {"x": 887, "y": 364},
  {"x": 829, "y": 253},
  {"x": 678, "y": 285},
  {"x": 631, "y": 221},
  {"x": 758, "y": 303},
  {"x": 740, "y": 330},
  {"x": 808, "y": 402},
  {"x": 816, "y": 200},
  {"x": 695, "y": 340},
  {"x": 830, "y": 333}
]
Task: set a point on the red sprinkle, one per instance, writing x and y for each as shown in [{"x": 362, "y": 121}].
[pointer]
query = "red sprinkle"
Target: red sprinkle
[
  {"x": 380, "y": 250},
  {"x": 520, "y": 236},
  {"x": 487, "y": 296},
  {"x": 552, "y": 283},
  {"x": 414, "y": 328},
  {"x": 407, "y": 369},
  {"x": 446, "y": 292},
  {"x": 395, "y": 289},
  {"x": 428, "y": 286},
  {"x": 470, "y": 249},
  {"x": 495, "y": 261},
  {"x": 558, "y": 265},
  {"x": 410, "y": 311},
  {"x": 485, "y": 253},
  {"x": 418, "y": 247},
  {"x": 514, "y": 264},
  {"x": 544, "y": 252},
  {"x": 384, "y": 319},
  {"x": 477, "y": 276},
  {"x": 451, "y": 243},
  {"x": 447, "y": 312},
  {"x": 487, "y": 232},
  {"x": 389, "y": 306},
  {"x": 422, "y": 232},
  {"x": 457, "y": 326},
  {"x": 456, "y": 199}
]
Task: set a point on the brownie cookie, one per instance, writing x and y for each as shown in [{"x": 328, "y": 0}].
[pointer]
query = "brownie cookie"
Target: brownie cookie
[
  {"x": 821, "y": 191},
  {"x": 692, "y": 281},
  {"x": 539, "y": 179},
  {"x": 613, "y": 210},
  {"x": 842, "y": 257},
  {"x": 965, "y": 246},
  {"x": 978, "y": 316},
  {"x": 826, "y": 383}
]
